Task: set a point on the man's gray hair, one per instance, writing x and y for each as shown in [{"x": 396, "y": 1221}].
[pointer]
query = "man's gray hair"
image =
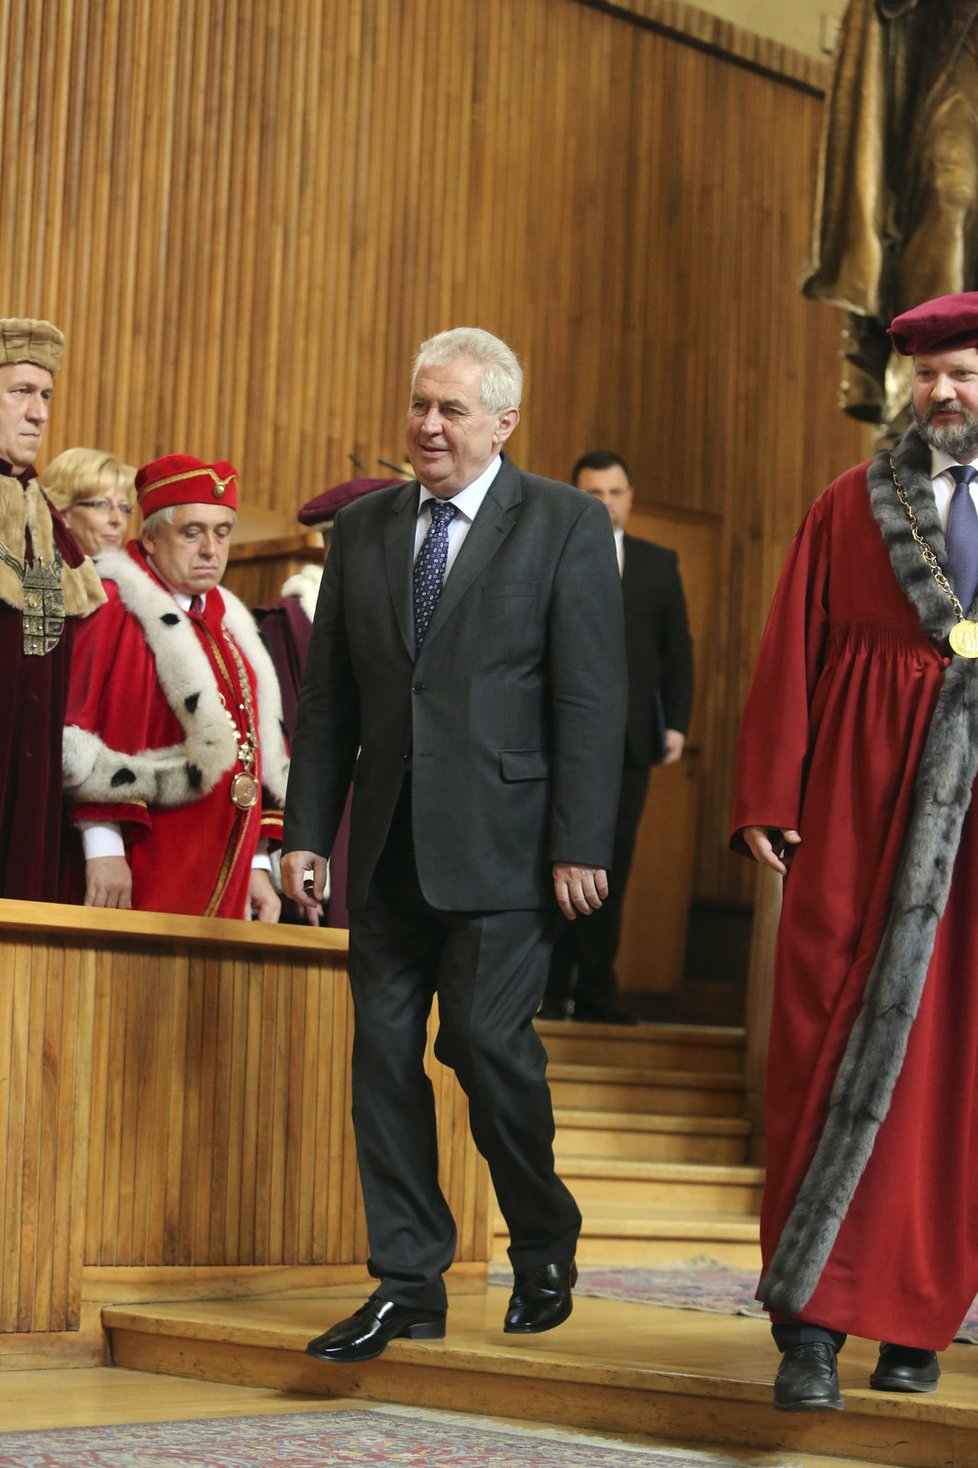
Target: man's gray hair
[
  {"x": 166, "y": 516},
  {"x": 502, "y": 375}
]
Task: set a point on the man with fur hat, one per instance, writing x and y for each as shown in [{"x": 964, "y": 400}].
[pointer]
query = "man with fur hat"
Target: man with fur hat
[
  {"x": 46, "y": 586},
  {"x": 174, "y": 715},
  {"x": 858, "y": 754}
]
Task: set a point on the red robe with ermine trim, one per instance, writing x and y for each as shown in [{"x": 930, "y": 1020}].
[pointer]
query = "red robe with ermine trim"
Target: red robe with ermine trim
[
  {"x": 843, "y": 694},
  {"x": 191, "y": 854}
]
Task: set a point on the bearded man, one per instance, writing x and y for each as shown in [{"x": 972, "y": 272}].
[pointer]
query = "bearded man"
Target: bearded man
[{"x": 858, "y": 755}]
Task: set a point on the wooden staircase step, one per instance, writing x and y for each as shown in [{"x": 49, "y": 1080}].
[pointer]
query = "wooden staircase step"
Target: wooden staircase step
[
  {"x": 731, "y": 1190},
  {"x": 622, "y": 1237},
  {"x": 644, "y": 1239},
  {"x": 683, "y": 1377},
  {"x": 651, "y": 1138},
  {"x": 650, "y": 1047},
  {"x": 615, "y": 1088}
]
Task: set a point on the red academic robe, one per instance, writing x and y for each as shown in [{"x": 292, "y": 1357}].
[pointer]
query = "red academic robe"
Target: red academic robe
[
  {"x": 193, "y": 857},
  {"x": 835, "y": 723},
  {"x": 286, "y": 630},
  {"x": 32, "y": 714}
]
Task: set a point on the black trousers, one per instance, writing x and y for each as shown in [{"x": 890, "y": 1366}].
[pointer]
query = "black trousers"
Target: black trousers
[
  {"x": 583, "y": 964},
  {"x": 488, "y": 970}
]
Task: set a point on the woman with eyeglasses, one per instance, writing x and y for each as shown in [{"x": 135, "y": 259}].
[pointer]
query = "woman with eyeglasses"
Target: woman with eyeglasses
[{"x": 94, "y": 493}]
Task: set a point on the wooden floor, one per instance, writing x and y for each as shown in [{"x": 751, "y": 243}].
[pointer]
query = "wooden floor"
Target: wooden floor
[{"x": 633, "y": 1371}]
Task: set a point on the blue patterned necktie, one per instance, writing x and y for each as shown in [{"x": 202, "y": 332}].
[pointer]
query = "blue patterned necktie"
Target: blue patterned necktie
[
  {"x": 962, "y": 536},
  {"x": 429, "y": 568}
]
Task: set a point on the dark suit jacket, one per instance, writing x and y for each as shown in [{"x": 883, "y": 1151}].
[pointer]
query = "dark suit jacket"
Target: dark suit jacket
[
  {"x": 511, "y": 719},
  {"x": 659, "y": 649}
]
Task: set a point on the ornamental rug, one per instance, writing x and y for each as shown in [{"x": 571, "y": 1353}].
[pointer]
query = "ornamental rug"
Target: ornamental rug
[
  {"x": 697, "y": 1284},
  {"x": 340, "y": 1438}
]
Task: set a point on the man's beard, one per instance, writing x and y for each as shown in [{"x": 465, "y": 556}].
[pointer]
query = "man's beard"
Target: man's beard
[{"x": 956, "y": 438}]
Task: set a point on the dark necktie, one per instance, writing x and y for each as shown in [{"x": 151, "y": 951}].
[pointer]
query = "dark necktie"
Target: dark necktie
[
  {"x": 962, "y": 536},
  {"x": 429, "y": 568},
  {"x": 197, "y": 605}
]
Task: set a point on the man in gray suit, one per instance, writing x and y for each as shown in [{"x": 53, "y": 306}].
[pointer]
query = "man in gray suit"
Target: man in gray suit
[{"x": 467, "y": 671}]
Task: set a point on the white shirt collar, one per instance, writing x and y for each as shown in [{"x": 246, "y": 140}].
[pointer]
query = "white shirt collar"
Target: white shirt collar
[
  {"x": 941, "y": 461},
  {"x": 181, "y": 600},
  {"x": 468, "y": 500}
]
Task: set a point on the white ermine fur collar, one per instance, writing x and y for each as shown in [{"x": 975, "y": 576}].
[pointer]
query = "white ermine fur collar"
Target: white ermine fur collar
[
  {"x": 305, "y": 585},
  {"x": 180, "y": 773}
]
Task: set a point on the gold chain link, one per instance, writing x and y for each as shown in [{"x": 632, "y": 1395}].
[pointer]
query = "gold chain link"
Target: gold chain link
[{"x": 926, "y": 550}]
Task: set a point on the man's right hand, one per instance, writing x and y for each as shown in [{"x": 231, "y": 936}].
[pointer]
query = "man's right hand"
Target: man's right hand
[
  {"x": 108, "y": 882},
  {"x": 304, "y": 880},
  {"x": 765, "y": 850}
]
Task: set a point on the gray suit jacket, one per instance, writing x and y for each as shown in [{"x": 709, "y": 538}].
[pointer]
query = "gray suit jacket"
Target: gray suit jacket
[{"x": 510, "y": 720}]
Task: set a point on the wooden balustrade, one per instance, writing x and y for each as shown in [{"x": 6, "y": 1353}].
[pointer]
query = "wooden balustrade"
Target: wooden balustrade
[{"x": 175, "y": 1103}]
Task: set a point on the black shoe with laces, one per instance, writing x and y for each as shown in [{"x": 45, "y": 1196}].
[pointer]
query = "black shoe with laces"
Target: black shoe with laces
[
  {"x": 808, "y": 1379},
  {"x": 905, "y": 1369}
]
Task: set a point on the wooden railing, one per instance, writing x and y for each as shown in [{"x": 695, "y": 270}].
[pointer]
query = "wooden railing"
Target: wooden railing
[{"x": 175, "y": 1108}]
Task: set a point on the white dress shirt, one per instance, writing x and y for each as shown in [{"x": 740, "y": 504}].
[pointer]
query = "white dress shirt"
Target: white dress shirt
[
  {"x": 466, "y": 502},
  {"x": 943, "y": 485}
]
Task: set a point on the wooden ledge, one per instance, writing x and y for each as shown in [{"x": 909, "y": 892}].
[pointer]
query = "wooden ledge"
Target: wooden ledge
[
  {"x": 58, "y": 919},
  {"x": 708, "y": 32}
]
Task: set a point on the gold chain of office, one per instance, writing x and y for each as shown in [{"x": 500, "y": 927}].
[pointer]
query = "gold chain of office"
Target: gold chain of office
[
  {"x": 963, "y": 636},
  {"x": 244, "y": 787}
]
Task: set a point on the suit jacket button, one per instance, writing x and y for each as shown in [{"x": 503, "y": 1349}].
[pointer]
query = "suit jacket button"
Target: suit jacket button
[{"x": 417, "y": 687}]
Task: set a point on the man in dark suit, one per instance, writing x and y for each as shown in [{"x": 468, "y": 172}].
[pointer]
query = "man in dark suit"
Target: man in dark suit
[
  {"x": 482, "y": 725},
  {"x": 660, "y": 694}
]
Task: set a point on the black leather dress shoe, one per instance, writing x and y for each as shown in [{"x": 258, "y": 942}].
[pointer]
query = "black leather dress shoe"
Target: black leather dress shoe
[
  {"x": 541, "y": 1298},
  {"x": 808, "y": 1379},
  {"x": 366, "y": 1333},
  {"x": 589, "y": 1014},
  {"x": 905, "y": 1369}
]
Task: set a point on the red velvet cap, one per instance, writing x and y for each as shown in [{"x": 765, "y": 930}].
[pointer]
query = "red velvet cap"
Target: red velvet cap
[
  {"x": 317, "y": 511},
  {"x": 180, "y": 479},
  {"x": 945, "y": 324}
]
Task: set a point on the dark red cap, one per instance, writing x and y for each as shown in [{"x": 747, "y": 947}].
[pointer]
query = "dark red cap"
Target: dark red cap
[
  {"x": 180, "y": 479},
  {"x": 317, "y": 511},
  {"x": 945, "y": 324}
]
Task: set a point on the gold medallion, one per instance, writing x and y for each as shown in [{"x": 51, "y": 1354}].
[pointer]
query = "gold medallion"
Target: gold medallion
[
  {"x": 964, "y": 638},
  {"x": 244, "y": 788}
]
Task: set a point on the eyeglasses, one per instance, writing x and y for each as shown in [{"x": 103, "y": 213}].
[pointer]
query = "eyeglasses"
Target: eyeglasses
[{"x": 104, "y": 507}]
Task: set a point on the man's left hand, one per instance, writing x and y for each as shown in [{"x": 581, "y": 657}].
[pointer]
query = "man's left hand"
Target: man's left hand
[
  {"x": 673, "y": 744},
  {"x": 579, "y": 889},
  {"x": 265, "y": 902}
]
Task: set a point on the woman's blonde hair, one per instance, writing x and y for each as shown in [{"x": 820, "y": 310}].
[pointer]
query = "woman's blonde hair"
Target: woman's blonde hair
[{"x": 85, "y": 474}]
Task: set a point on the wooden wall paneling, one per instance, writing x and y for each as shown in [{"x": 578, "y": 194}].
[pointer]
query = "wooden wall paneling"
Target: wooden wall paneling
[
  {"x": 246, "y": 216},
  {"x": 187, "y": 1224},
  {"x": 11, "y": 984},
  {"x": 18, "y": 1261},
  {"x": 56, "y": 1036},
  {"x": 75, "y": 1097},
  {"x": 45, "y": 1014}
]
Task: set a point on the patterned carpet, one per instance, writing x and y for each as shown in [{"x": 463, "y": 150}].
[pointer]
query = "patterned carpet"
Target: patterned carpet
[
  {"x": 697, "y": 1284},
  {"x": 342, "y": 1438}
]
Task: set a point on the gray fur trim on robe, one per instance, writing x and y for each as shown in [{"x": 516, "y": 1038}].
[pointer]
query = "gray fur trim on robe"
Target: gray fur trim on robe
[{"x": 877, "y": 1044}]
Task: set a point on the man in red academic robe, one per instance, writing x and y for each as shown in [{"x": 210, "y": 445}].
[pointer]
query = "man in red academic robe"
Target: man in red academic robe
[
  {"x": 858, "y": 754},
  {"x": 174, "y": 715},
  {"x": 46, "y": 586}
]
